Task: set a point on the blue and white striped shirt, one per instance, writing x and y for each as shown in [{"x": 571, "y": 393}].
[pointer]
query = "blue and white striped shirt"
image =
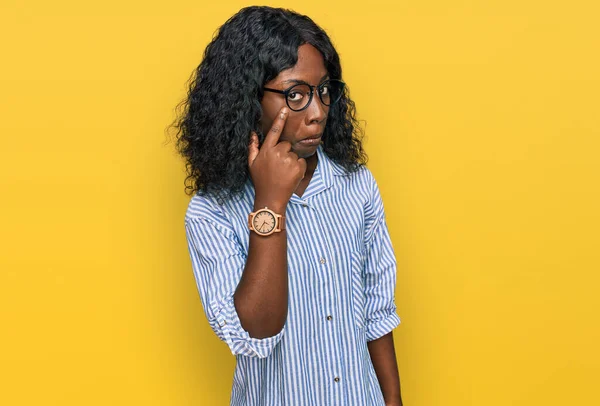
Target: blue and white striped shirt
[{"x": 341, "y": 274}]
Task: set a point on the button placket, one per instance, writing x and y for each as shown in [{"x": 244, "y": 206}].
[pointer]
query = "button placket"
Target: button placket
[{"x": 324, "y": 258}]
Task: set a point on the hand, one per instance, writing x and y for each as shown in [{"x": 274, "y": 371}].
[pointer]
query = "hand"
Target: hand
[{"x": 275, "y": 169}]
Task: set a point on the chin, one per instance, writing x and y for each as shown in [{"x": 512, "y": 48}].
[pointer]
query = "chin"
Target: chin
[{"x": 306, "y": 153}]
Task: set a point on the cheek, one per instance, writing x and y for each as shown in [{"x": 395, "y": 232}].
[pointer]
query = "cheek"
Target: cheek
[
  {"x": 265, "y": 123},
  {"x": 269, "y": 111},
  {"x": 291, "y": 124},
  {"x": 291, "y": 128}
]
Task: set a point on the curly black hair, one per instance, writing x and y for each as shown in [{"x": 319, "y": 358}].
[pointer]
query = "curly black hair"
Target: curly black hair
[{"x": 223, "y": 107}]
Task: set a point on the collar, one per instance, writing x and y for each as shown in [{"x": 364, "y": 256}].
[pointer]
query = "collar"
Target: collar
[
  {"x": 328, "y": 167},
  {"x": 323, "y": 177}
]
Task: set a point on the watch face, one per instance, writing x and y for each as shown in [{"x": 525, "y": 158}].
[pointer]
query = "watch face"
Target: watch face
[{"x": 264, "y": 222}]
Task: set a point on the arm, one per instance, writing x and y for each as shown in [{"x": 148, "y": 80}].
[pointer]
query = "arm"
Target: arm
[
  {"x": 245, "y": 295},
  {"x": 261, "y": 298},
  {"x": 384, "y": 361},
  {"x": 380, "y": 284},
  {"x": 218, "y": 261}
]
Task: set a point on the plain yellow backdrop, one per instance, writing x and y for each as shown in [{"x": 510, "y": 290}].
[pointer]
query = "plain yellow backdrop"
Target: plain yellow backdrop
[{"x": 482, "y": 124}]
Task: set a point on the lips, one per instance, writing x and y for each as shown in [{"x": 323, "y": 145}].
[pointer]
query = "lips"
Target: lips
[
  {"x": 314, "y": 137},
  {"x": 311, "y": 141}
]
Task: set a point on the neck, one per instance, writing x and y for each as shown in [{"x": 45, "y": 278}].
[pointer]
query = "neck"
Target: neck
[{"x": 311, "y": 164}]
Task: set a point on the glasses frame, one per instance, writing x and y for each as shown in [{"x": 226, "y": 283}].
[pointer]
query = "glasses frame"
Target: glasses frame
[{"x": 312, "y": 91}]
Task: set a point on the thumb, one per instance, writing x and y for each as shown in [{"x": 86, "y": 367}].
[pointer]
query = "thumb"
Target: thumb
[{"x": 252, "y": 148}]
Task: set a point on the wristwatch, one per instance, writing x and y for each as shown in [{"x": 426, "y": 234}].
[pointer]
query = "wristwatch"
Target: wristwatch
[{"x": 266, "y": 222}]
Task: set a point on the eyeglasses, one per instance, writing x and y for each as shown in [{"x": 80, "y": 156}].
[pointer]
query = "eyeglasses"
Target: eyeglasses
[{"x": 299, "y": 96}]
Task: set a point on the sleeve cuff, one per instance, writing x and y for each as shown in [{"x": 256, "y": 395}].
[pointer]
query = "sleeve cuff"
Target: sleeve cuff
[
  {"x": 238, "y": 339},
  {"x": 378, "y": 328}
]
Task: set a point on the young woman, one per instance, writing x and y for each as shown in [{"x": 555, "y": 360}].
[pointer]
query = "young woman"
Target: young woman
[{"x": 286, "y": 228}]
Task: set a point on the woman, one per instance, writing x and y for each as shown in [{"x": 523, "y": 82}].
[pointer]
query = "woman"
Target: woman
[{"x": 286, "y": 228}]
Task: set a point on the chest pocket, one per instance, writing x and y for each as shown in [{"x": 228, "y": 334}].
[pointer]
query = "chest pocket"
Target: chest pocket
[{"x": 358, "y": 289}]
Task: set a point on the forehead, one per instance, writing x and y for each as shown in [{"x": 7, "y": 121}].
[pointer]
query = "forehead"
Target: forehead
[{"x": 310, "y": 67}]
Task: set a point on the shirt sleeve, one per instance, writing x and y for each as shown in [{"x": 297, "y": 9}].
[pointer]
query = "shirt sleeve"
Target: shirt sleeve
[
  {"x": 218, "y": 261},
  {"x": 380, "y": 270}
]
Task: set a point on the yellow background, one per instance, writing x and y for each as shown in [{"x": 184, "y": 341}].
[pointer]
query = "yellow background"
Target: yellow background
[{"x": 483, "y": 132}]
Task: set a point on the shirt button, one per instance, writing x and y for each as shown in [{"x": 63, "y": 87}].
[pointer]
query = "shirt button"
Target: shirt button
[
  {"x": 337, "y": 379},
  {"x": 304, "y": 205},
  {"x": 322, "y": 261},
  {"x": 329, "y": 318}
]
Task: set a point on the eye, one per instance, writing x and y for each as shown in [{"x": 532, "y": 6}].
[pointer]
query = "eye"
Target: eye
[{"x": 295, "y": 96}]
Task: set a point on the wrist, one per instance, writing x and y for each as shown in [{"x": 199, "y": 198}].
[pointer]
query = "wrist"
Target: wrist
[{"x": 276, "y": 206}]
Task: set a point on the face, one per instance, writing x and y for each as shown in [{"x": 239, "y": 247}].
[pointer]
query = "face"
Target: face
[{"x": 304, "y": 124}]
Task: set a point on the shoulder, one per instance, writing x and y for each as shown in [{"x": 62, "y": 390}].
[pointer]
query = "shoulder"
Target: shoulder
[
  {"x": 202, "y": 206},
  {"x": 361, "y": 185},
  {"x": 206, "y": 219},
  {"x": 360, "y": 178},
  {"x": 206, "y": 208},
  {"x": 224, "y": 214}
]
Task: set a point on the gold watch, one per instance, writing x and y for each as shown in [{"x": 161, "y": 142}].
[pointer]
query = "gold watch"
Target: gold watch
[{"x": 266, "y": 222}]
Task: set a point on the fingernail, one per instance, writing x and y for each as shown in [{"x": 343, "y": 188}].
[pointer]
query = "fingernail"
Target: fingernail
[{"x": 283, "y": 113}]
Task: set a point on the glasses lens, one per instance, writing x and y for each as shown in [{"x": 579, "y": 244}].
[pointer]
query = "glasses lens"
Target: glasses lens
[
  {"x": 298, "y": 97},
  {"x": 331, "y": 91}
]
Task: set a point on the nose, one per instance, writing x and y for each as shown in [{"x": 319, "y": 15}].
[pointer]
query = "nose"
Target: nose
[{"x": 316, "y": 112}]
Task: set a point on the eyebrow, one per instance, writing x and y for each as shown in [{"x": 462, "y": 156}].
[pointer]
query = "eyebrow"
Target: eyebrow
[{"x": 296, "y": 81}]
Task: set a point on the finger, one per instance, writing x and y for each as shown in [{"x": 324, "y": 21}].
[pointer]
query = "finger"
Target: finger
[
  {"x": 284, "y": 146},
  {"x": 252, "y": 148},
  {"x": 276, "y": 128}
]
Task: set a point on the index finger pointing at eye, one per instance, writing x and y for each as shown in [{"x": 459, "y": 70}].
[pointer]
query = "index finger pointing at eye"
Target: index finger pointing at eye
[{"x": 276, "y": 128}]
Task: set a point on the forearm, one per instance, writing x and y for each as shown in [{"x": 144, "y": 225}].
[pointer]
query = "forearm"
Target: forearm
[
  {"x": 261, "y": 297},
  {"x": 384, "y": 361}
]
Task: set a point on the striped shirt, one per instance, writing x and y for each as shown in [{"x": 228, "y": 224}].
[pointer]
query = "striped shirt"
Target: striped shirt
[{"x": 341, "y": 275}]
